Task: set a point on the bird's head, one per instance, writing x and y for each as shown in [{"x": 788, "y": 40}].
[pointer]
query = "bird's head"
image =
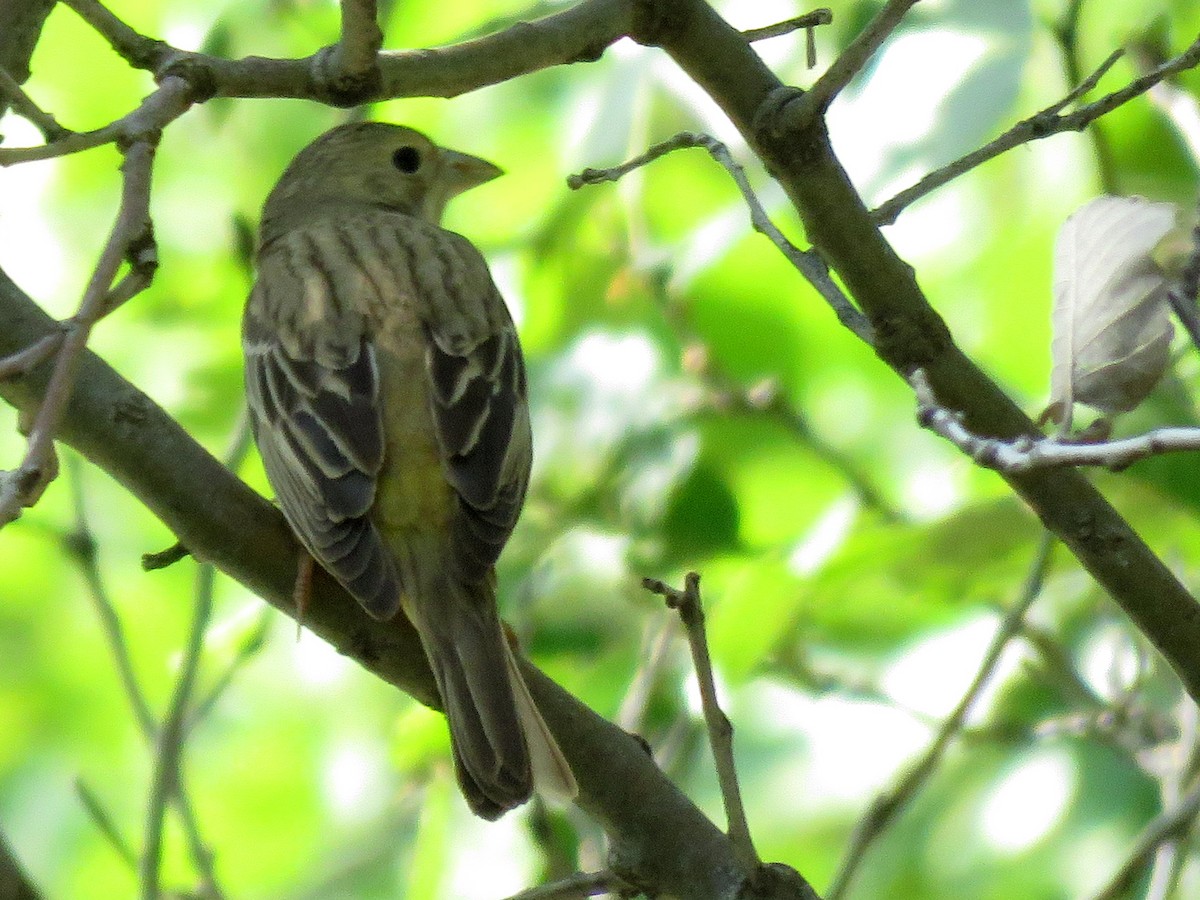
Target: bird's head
[{"x": 376, "y": 164}]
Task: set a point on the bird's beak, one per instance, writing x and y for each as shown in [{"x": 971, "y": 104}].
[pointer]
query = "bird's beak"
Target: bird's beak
[{"x": 468, "y": 171}]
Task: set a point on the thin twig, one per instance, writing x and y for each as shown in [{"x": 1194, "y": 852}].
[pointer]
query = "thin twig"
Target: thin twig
[
  {"x": 1066, "y": 32},
  {"x": 1177, "y": 104},
  {"x": 142, "y": 125},
  {"x": 23, "y": 362},
  {"x": 139, "y": 51},
  {"x": 75, "y": 142},
  {"x": 104, "y": 822},
  {"x": 849, "y": 63},
  {"x": 81, "y": 544},
  {"x": 1027, "y": 452},
  {"x": 1083, "y": 88},
  {"x": 887, "y": 806},
  {"x": 769, "y": 400},
  {"x": 808, "y": 262},
  {"x": 163, "y": 558},
  {"x": 1049, "y": 121},
  {"x": 581, "y": 884},
  {"x": 24, "y": 106},
  {"x": 1173, "y": 855},
  {"x": 720, "y": 729},
  {"x": 131, "y": 240},
  {"x": 246, "y": 651},
  {"x": 180, "y": 716},
  {"x": 1183, "y": 297},
  {"x": 1167, "y": 826},
  {"x": 822, "y": 16},
  {"x": 655, "y": 653},
  {"x": 171, "y": 736}
]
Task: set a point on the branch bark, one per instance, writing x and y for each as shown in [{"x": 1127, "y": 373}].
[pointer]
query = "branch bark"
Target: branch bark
[
  {"x": 659, "y": 840},
  {"x": 578, "y": 34},
  {"x": 20, "y": 27},
  {"x": 909, "y": 333}
]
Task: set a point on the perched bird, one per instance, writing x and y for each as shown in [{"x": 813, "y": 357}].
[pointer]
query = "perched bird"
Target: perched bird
[{"x": 388, "y": 399}]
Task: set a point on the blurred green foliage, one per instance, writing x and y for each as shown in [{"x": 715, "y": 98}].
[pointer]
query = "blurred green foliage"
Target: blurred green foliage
[{"x": 851, "y": 562}]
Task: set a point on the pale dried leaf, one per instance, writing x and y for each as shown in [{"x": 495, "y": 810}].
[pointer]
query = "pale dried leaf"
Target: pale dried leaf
[{"x": 1112, "y": 331}]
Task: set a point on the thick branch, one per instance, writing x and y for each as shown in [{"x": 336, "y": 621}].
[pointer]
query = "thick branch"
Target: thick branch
[
  {"x": 659, "y": 839},
  {"x": 910, "y": 334},
  {"x": 578, "y": 34}
]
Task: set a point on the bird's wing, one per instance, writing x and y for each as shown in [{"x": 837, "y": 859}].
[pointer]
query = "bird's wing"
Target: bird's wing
[
  {"x": 313, "y": 390},
  {"x": 477, "y": 392}
]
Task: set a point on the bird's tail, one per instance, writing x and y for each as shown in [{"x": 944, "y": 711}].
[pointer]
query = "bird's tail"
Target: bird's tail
[{"x": 502, "y": 747}]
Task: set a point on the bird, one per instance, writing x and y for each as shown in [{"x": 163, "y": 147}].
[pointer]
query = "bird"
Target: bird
[{"x": 388, "y": 398}]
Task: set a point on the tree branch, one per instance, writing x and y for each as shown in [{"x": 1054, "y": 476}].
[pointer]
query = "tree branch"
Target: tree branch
[
  {"x": 659, "y": 840},
  {"x": 1169, "y": 825},
  {"x": 849, "y": 63},
  {"x": 23, "y": 106},
  {"x": 353, "y": 63},
  {"x": 96, "y": 811},
  {"x": 81, "y": 544},
  {"x": 1027, "y": 453},
  {"x": 1049, "y": 121},
  {"x": 888, "y": 805},
  {"x": 131, "y": 239},
  {"x": 807, "y": 262},
  {"x": 172, "y": 99},
  {"x": 808, "y": 21},
  {"x": 578, "y": 34},
  {"x": 910, "y": 334},
  {"x": 168, "y": 748},
  {"x": 720, "y": 729},
  {"x": 21, "y": 24}
]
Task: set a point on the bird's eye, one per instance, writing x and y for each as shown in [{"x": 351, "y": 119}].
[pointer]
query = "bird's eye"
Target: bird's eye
[{"x": 407, "y": 159}]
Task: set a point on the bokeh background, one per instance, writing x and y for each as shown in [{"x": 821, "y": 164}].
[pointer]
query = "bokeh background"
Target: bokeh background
[{"x": 696, "y": 406}]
